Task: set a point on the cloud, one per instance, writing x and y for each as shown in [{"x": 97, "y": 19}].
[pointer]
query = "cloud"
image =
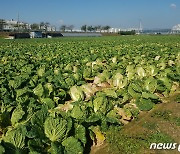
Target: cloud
[{"x": 173, "y": 6}]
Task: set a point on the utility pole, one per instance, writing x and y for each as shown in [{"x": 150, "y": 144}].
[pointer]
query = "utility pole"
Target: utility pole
[
  {"x": 18, "y": 22},
  {"x": 140, "y": 26}
]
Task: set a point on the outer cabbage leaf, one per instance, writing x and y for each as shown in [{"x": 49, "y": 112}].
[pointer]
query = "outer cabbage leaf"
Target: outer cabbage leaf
[
  {"x": 72, "y": 146},
  {"x": 56, "y": 148},
  {"x": 16, "y": 137},
  {"x": 113, "y": 116},
  {"x": 70, "y": 81},
  {"x": 20, "y": 92},
  {"x": 55, "y": 129},
  {"x": 144, "y": 104},
  {"x": 49, "y": 102},
  {"x": 132, "y": 108},
  {"x": 166, "y": 82},
  {"x": 37, "y": 122},
  {"x": 110, "y": 93},
  {"x": 77, "y": 112},
  {"x": 93, "y": 118},
  {"x": 87, "y": 72},
  {"x": 133, "y": 93},
  {"x": 17, "y": 115},
  {"x": 2, "y": 149},
  {"x": 35, "y": 146},
  {"x": 80, "y": 133},
  {"x": 39, "y": 117},
  {"x": 102, "y": 105},
  {"x": 136, "y": 87},
  {"x": 39, "y": 90},
  {"x": 98, "y": 103},
  {"x": 49, "y": 88},
  {"x": 149, "y": 95}
]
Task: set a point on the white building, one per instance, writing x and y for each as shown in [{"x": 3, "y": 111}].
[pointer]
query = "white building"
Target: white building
[
  {"x": 114, "y": 30},
  {"x": 48, "y": 28},
  {"x": 176, "y": 29},
  {"x": 11, "y": 25}
]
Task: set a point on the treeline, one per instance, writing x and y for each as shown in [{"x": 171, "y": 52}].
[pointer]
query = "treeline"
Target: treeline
[
  {"x": 85, "y": 28},
  {"x": 94, "y": 28}
]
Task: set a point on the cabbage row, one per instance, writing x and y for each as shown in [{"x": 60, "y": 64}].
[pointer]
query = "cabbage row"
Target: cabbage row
[{"x": 61, "y": 95}]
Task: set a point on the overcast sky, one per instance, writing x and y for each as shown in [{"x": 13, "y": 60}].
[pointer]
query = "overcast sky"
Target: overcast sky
[{"x": 116, "y": 13}]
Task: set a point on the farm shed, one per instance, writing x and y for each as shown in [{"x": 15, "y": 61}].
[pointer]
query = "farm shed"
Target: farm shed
[{"x": 19, "y": 35}]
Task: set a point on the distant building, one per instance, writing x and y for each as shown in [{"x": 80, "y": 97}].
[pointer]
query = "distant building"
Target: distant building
[
  {"x": 176, "y": 29},
  {"x": 114, "y": 30},
  {"x": 13, "y": 25},
  {"x": 48, "y": 28}
]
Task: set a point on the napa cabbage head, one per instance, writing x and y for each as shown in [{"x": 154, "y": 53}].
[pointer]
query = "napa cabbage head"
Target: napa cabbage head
[
  {"x": 130, "y": 71},
  {"x": 141, "y": 72},
  {"x": 55, "y": 128},
  {"x": 119, "y": 80},
  {"x": 76, "y": 93},
  {"x": 152, "y": 70}
]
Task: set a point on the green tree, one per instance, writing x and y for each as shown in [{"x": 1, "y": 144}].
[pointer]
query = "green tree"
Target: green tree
[
  {"x": 84, "y": 28},
  {"x": 35, "y": 26},
  {"x": 63, "y": 28},
  {"x": 2, "y": 23},
  {"x": 106, "y": 27},
  {"x": 98, "y": 28},
  {"x": 90, "y": 28}
]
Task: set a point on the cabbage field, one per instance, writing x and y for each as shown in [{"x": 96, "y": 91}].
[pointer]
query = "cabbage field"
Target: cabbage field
[{"x": 62, "y": 95}]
